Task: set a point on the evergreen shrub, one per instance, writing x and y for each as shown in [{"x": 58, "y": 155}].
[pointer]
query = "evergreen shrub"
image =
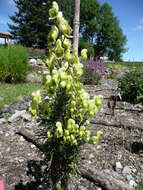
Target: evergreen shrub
[
  {"x": 13, "y": 64},
  {"x": 131, "y": 87}
]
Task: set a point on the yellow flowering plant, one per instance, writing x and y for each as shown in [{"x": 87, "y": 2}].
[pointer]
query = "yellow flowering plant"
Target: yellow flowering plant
[{"x": 67, "y": 109}]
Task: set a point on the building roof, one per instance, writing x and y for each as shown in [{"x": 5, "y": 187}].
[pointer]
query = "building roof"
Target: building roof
[{"x": 5, "y": 35}]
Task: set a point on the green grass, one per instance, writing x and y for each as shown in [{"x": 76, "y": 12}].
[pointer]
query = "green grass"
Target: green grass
[
  {"x": 125, "y": 66},
  {"x": 14, "y": 92}
]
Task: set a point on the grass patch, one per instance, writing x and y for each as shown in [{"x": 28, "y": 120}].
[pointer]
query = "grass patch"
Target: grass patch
[
  {"x": 14, "y": 92},
  {"x": 125, "y": 66}
]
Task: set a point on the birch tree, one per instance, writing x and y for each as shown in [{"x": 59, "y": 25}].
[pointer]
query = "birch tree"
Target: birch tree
[{"x": 76, "y": 23}]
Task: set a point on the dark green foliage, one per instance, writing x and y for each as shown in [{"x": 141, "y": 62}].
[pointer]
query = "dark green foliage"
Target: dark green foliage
[
  {"x": 18, "y": 63},
  {"x": 13, "y": 64},
  {"x": 31, "y": 24},
  {"x": 132, "y": 87},
  {"x": 3, "y": 64},
  {"x": 89, "y": 14},
  {"x": 84, "y": 44},
  {"x": 110, "y": 37}
]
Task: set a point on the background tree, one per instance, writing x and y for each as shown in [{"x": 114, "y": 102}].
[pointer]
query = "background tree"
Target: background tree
[
  {"x": 89, "y": 19},
  {"x": 31, "y": 24},
  {"x": 99, "y": 27},
  {"x": 110, "y": 39}
]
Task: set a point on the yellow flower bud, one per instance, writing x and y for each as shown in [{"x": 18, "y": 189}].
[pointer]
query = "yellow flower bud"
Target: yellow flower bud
[
  {"x": 58, "y": 124},
  {"x": 59, "y": 49},
  {"x": 37, "y": 97},
  {"x": 48, "y": 134},
  {"x": 95, "y": 140},
  {"x": 33, "y": 111},
  {"x": 66, "y": 65},
  {"x": 54, "y": 33},
  {"x": 63, "y": 84},
  {"x": 82, "y": 128},
  {"x": 59, "y": 131},
  {"x": 68, "y": 56},
  {"x": 71, "y": 122},
  {"x": 81, "y": 133},
  {"x": 75, "y": 142},
  {"x": 84, "y": 54},
  {"x": 98, "y": 100},
  {"x": 87, "y": 135},
  {"x": 66, "y": 133},
  {"x": 71, "y": 110},
  {"x": 99, "y": 133},
  {"x": 55, "y": 5},
  {"x": 72, "y": 138},
  {"x": 59, "y": 16},
  {"x": 67, "y": 43},
  {"x": 87, "y": 122},
  {"x": 53, "y": 12},
  {"x": 48, "y": 78},
  {"x": 63, "y": 75},
  {"x": 73, "y": 103},
  {"x": 64, "y": 27}
]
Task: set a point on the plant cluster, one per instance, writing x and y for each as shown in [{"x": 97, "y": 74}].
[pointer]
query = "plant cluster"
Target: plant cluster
[
  {"x": 67, "y": 108},
  {"x": 93, "y": 72},
  {"x": 13, "y": 64},
  {"x": 132, "y": 87}
]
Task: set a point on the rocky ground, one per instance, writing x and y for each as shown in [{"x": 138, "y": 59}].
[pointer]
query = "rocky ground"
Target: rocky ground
[{"x": 119, "y": 153}]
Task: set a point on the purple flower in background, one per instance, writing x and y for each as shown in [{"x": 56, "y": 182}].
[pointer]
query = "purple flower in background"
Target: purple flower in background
[
  {"x": 101, "y": 67},
  {"x": 96, "y": 64},
  {"x": 91, "y": 64}
]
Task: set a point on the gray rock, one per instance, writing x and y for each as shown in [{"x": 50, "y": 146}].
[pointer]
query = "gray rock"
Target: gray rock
[
  {"x": 118, "y": 166},
  {"x": 109, "y": 82},
  {"x": 32, "y": 62},
  {"x": 33, "y": 78},
  {"x": 8, "y": 149},
  {"x": 114, "y": 174},
  {"x": 6, "y": 135},
  {"x": 21, "y": 160},
  {"x": 2, "y": 121},
  {"x": 21, "y": 139},
  {"x": 129, "y": 177},
  {"x": 1, "y": 133},
  {"x": 82, "y": 187},
  {"x": 126, "y": 170},
  {"x": 26, "y": 117},
  {"x": 132, "y": 183},
  {"x": 39, "y": 62},
  {"x": 30, "y": 78},
  {"x": 16, "y": 116},
  {"x": 43, "y": 186},
  {"x": 142, "y": 168},
  {"x": 120, "y": 75},
  {"x": 32, "y": 146}
]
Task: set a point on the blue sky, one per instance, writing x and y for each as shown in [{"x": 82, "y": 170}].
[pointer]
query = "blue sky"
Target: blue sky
[{"x": 129, "y": 13}]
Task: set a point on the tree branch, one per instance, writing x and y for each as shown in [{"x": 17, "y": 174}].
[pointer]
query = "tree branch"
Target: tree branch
[
  {"x": 30, "y": 137},
  {"x": 106, "y": 182}
]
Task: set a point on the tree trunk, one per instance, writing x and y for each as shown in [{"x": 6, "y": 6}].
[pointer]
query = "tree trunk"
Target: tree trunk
[{"x": 76, "y": 24}]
